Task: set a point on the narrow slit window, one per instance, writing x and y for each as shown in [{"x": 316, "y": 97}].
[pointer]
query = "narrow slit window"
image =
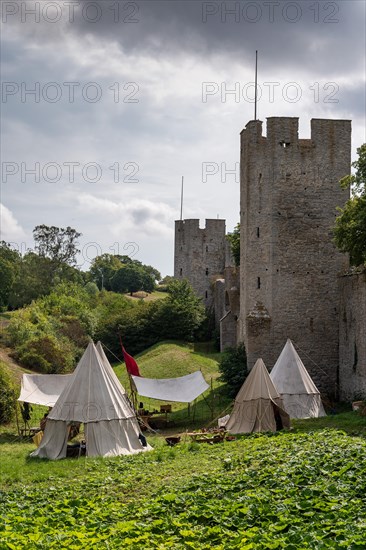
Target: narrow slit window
[
  {"x": 258, "y": 282},
  {"x": 258, "y": 232},
  {"x": 181, "y": 271},
  {"x": 206, "y": 270},
  {"x": 206, "y": 294}
]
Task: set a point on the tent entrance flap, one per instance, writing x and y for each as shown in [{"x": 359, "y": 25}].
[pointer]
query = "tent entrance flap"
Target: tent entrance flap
[{"x": 184, "y": 389}]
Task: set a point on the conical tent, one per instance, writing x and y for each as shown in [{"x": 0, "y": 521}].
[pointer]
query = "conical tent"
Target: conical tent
[
  {"x": 95, "y": 397},
  {"x": 258, "y": 405},
  {"x": 300, "y": 395}
]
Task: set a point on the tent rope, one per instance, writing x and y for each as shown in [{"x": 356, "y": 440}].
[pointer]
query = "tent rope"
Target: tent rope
[{"x": 314, "y": 363}]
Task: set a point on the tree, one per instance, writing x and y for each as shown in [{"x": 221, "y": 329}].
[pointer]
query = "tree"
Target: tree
[
  {"x": 127, "y": 279},
  {"x": 182, "y": 313},
  {"x": 234, "y": 369},
  {"x": 9, "y": 268},
  {"x": 103, "y": 268},
  {"x": 36, "y": 276},
  {"x": 350, "y": 228},
  {"x": 234, "y": 240},
  {"x": 56, "y": 243}
]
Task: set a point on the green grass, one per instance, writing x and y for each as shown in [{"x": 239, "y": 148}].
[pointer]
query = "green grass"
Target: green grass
[
  {"x": 292, "y": 491},
  {"x": 147, "y": 297}
]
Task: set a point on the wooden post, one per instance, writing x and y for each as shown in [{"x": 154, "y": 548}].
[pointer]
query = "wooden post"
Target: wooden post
[{"x": 16, "y": 417}]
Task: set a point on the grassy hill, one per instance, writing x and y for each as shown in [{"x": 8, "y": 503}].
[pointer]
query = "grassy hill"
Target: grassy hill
[{"x": 173, "y": 359}]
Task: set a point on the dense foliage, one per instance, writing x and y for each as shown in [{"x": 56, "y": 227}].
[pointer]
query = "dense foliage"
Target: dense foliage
[
  {"x": 7, "y": 396},
  {"x": 53, "y": 261},
  {"x": 122, "y": 274},
  {"x": 234, "y": 369},
  {"x": 176, "y": 317},
  {"x": 292, "y": 491},
  {"x": 350, "y": 228},
  {"x": 50, "y": 334},
  {"x": 234, "y": 240}
]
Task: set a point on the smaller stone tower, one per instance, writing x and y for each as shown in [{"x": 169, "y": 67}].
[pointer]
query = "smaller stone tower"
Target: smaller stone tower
[{"x": 199, "y": 255}]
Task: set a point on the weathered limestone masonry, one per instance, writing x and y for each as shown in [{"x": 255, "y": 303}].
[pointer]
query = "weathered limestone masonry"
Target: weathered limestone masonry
[
  {"x": 352, "y": 340},
  {"x": 289, "y": 265},
  {"x": 199, "y": 254}
]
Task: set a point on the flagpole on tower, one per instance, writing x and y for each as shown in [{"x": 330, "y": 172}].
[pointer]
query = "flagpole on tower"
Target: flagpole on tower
[
  {"x": 181, "y": 201},
  {"x": 255, "y": 85}
]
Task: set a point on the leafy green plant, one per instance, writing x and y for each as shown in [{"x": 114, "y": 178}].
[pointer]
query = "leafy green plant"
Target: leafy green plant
[{"x": 291, "y": 490}]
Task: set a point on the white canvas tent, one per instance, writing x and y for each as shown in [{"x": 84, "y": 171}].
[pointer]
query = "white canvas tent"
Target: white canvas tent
[
  {"x": 300, "y": 395},
  {"x": 258, "y": 405},
  {"x": 95, "y": 397}
]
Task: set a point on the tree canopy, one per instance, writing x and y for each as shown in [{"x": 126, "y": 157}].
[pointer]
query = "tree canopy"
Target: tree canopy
[
  {"x": 350, "y": 228},
  {"x": 234, "y": 240},
  {"x": 56, "y": 243},
  {"x": 122, "y": 274}
]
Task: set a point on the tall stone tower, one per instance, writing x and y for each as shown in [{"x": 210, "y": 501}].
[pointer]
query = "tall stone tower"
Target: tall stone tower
[
  {"x": 289, "y": 264},
  {"x": 199, "y": 254}
]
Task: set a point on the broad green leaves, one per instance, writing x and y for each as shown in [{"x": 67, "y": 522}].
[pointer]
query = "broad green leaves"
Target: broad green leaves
[{"x": 289, "y": 491}]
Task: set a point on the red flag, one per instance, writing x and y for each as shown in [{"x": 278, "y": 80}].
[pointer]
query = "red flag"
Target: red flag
[{"x": 131, "y": 365}]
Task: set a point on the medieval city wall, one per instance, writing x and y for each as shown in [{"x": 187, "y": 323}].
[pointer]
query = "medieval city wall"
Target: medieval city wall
[
  {"x": 352, "y": 336},
  {"x": 289, "y": 265}
]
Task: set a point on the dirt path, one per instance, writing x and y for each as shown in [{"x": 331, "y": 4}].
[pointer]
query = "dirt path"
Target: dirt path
[{"x": 13, "y": 368}]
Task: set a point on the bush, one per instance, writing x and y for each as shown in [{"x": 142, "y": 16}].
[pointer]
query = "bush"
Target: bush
[
  {"x": 234, "y": 369},
  {"x": 7, "y": 397},
  {"x": 47, "y": 354}
]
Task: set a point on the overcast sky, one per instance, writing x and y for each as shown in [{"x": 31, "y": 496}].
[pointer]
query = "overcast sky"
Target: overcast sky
[{"x": 106, "y": 105}]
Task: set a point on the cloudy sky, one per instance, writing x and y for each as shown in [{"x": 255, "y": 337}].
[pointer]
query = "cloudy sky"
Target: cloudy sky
[{"x": 107, "y": 104}]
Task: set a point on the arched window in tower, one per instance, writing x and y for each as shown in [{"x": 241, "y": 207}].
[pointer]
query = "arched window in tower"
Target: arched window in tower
[
  {"x": 181, "y": 272},
  {"x": 206, "y": 270}
]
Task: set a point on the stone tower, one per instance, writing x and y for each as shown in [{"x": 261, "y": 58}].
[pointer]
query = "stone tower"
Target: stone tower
[
  {"x": 199, "y": 254},
  {"x": 289, "y": 264}
]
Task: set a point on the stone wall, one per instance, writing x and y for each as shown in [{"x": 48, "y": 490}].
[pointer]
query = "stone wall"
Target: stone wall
[
  {"x": 352, "y": 336},
  {"x": 227, "y": 306},
  {"x": 199, "y": 255},
  {"x": 289, "y": 265}
]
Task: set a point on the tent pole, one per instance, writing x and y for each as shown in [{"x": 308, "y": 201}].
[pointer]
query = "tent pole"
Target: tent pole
[
  {"x": 16, "y": 417},
  {"x": 194, "y": 409}
]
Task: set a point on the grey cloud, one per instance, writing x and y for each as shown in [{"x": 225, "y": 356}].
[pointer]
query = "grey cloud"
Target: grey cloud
[{"x": 323, "y": 36}]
